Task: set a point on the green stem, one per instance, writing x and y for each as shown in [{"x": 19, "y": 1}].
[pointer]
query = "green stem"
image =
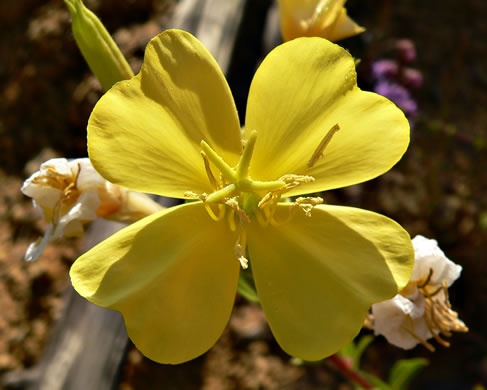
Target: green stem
[{"x": 348, "y": 371}]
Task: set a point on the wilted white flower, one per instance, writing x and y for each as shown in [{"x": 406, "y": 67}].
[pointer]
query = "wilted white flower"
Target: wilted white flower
[
  {"x": 71, "y": 193},
  {"x": 422, "y": 310}
]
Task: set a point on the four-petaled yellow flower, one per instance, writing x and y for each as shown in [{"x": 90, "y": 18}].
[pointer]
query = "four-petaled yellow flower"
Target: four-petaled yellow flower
[
  {"x": 316, "y": 18},
  {"x": 173, "y": 130}
]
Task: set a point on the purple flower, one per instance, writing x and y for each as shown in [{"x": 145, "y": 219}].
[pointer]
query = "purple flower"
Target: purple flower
[
  {"x": 406, "y": 50},
  {"x": 384, "y": 69},
  {"x": 399, "y": 95},
  {"x": 412, "y": 78}
]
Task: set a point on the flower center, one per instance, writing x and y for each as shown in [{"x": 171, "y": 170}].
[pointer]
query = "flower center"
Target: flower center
[
  {"x": 440, "y": 319},
  {"x": 65, "y": 183},
  {"x": 241, "y": 194},
  {"x": 240, "y": 199}
]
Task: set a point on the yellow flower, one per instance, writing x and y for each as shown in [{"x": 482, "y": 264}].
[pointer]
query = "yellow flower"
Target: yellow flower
[
  {"x": 173, "y": 130},
  {"x": 320, "y": 18}
]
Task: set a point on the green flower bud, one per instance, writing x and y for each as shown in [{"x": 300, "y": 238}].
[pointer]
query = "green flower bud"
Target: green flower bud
[{"x": 101, "y": 53}]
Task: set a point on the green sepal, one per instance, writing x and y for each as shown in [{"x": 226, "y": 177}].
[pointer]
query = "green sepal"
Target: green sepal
[{"x": 100, "y": 51}]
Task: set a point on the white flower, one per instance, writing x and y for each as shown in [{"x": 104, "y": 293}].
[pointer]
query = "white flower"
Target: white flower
[
  {"x": 429, "y": 256},
  {"x": 422, "y": 310},
  {"x": 71, "y": 193}
]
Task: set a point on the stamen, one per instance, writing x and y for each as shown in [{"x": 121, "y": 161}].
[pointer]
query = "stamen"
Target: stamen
[
  {"x": 431, "y": 322},
  {"x": 244, "y": 262},
  {"x": 194, "y": 195},
  {"x": 70, "y": 193},
  {"x": 265, "y": 200},
  {"x": 445, "y": 289},
  {"x": 321, "y": 147},
  {"x": 419, "y": 339},
  {"x": 431, "y": 295},
  {"x": 240, "y": 247},
  {"x": 212, "y": 214},
  {"x": 77, "y": 175},
  {"x": 209, "y": 173},
  {"x": 307, "y": 204},
  {"x": 428, "y": 279},
  {"x": 263, "y": 221},
  {"x": 233, "y": 203},
  {"x": 295, "y": 180},
  {"x": 231, "y": 220}
]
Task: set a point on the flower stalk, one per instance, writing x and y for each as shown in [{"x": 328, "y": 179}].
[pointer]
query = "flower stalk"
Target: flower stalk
[{"x": 346, "y": 370}]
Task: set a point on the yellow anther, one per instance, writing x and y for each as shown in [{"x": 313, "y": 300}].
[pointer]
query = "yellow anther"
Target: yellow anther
[
  {"x": 315, "y": 200},
  {"x": 244, "y": 262},
  {"x": 194, "y": 195},
  {"x": 323, "y": 144},
  {"x": 292, "y": 181},
  {"x": 240, "y": 248},
  {"x": 307, "y": 204}
]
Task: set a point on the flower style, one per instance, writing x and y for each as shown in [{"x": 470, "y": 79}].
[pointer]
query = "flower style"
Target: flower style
[
  {"x": 422, "y": 310},
  {"x": 71, "y": 193},
  {"x": 173, "y": 130},
  {"x": 320, "y": 18}
]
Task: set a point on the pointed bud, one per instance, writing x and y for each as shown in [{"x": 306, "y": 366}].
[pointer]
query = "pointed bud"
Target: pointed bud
[{"x": 101, "y": 53}]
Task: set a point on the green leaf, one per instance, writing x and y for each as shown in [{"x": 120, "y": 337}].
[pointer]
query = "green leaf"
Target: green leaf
[
  {"x": 246, "y": 286},
  {"x": 354, "y": 350},
  {"x": 404, "y": 371},
  {"x": 360, "y": 348},
  {"x": 373, "y": 380}
]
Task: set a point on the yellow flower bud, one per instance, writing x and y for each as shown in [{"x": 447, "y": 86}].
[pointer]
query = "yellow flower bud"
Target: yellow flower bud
[
  {"x": 101, "y": 53},
  {"x": 316, "y": 18}
]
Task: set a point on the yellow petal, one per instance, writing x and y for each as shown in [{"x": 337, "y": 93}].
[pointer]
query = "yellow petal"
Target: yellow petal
[
  {"x": 172, "y": 275},
  {"x": 145, "y": 133},
  {"x": 303, "y": 89},
  {"x": 317, "y": 276}
]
